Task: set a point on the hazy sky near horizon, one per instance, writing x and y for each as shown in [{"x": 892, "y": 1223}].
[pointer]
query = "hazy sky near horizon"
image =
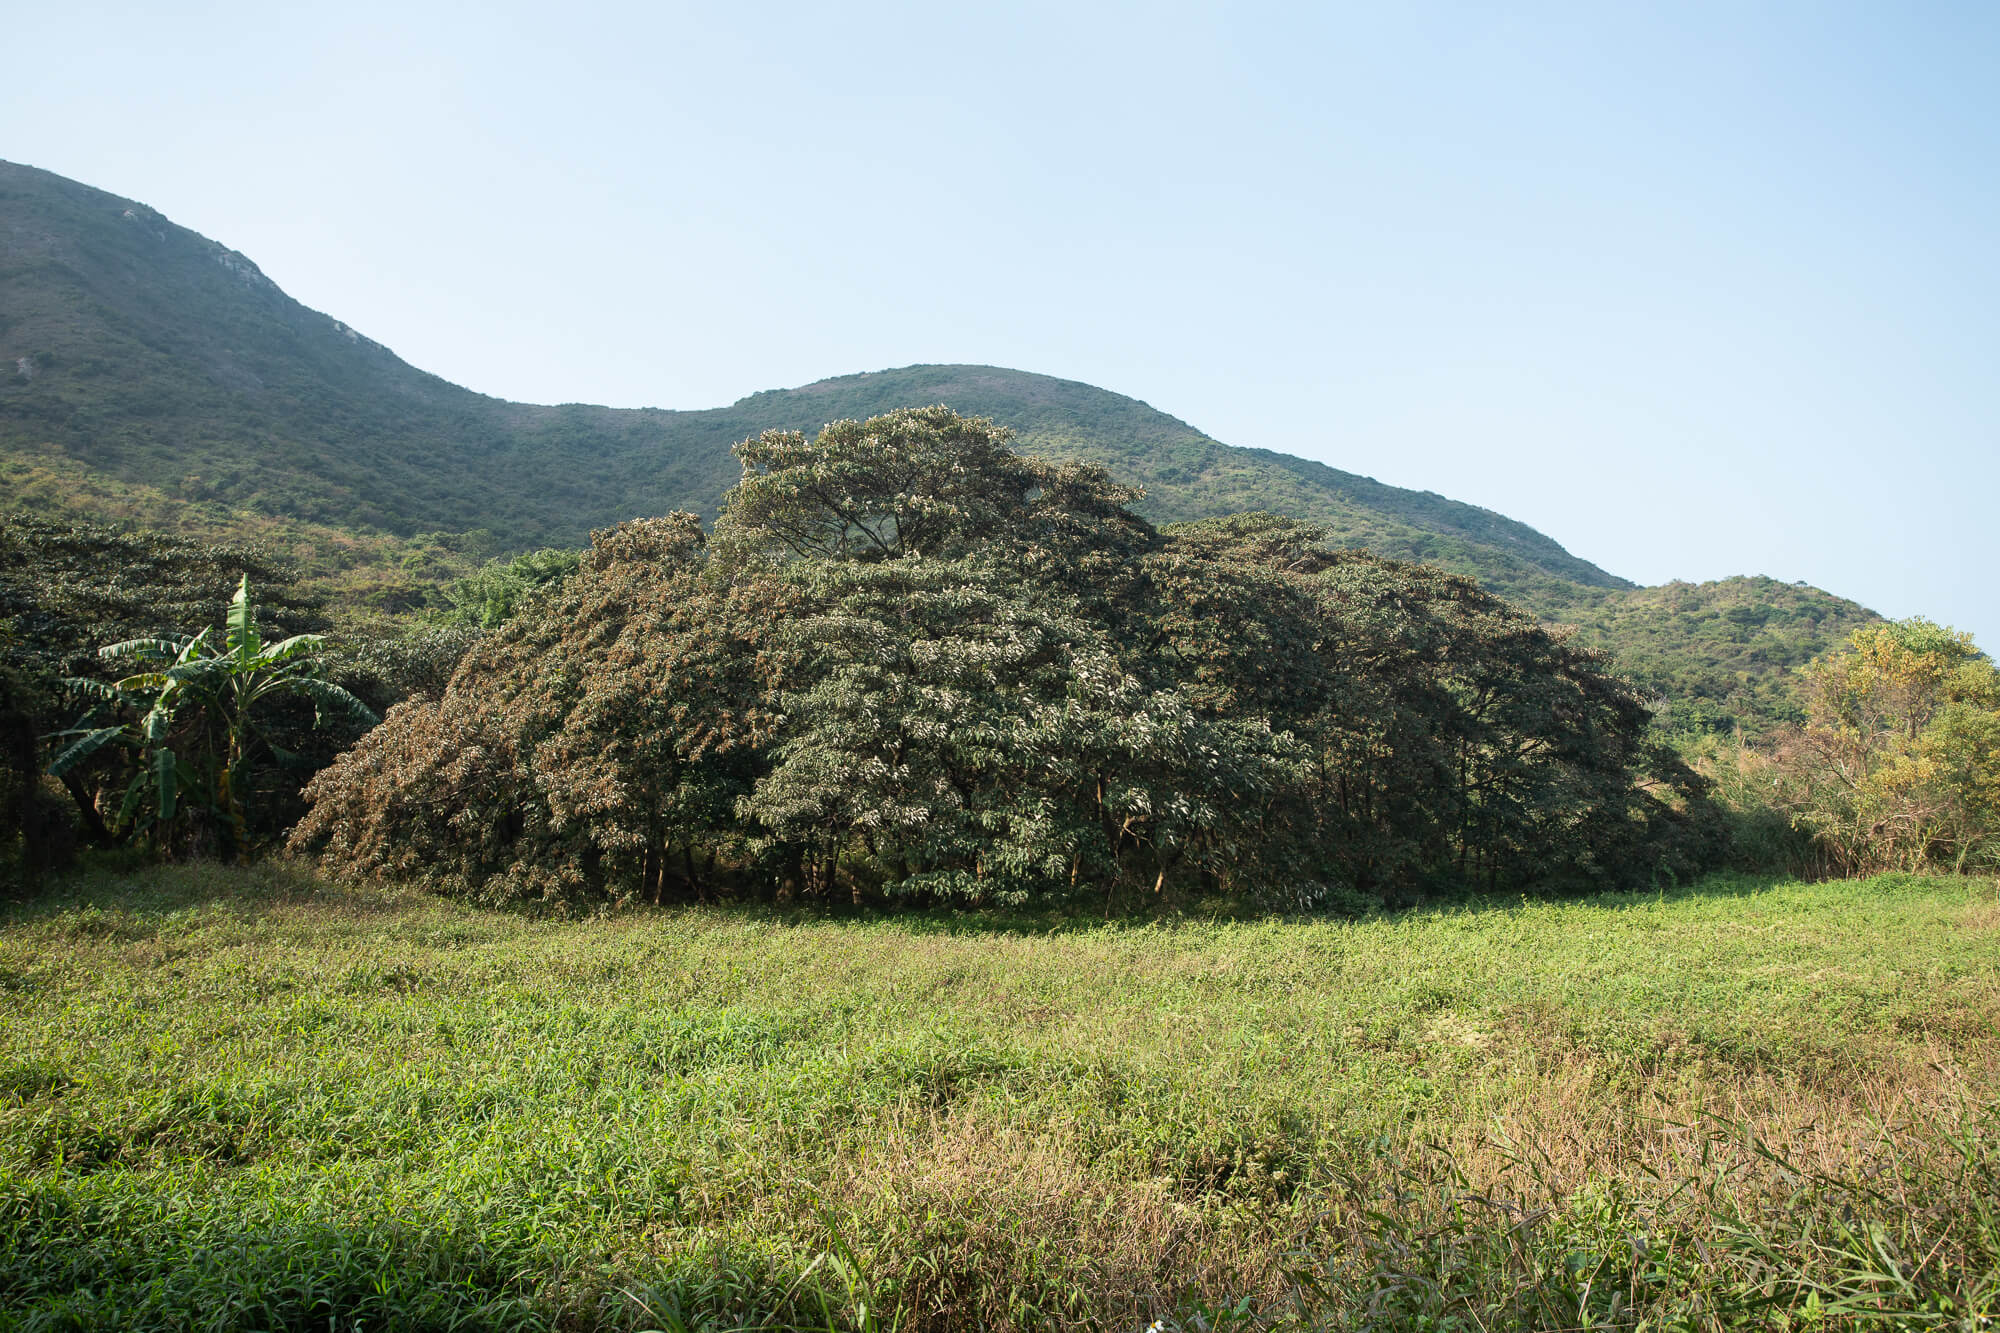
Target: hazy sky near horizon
[{"x": 1696, "y": 289}]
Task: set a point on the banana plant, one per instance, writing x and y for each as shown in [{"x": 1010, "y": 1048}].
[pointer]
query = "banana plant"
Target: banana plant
[{"x": 189, "y": 714}]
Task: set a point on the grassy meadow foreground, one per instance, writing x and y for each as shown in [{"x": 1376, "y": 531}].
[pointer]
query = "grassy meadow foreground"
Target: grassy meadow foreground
[{"x": 251, "y": 1099}]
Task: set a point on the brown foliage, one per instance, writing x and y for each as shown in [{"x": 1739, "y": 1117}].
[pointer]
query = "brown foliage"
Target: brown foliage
[{"x": 575, "y": 749}]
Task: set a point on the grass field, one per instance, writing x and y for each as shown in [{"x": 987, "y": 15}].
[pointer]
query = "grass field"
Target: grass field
[{"x": 251, "y": 1099}]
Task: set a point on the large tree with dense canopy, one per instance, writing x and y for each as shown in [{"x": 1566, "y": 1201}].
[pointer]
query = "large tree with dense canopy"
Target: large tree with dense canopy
[{"x": 911, "y": 663}]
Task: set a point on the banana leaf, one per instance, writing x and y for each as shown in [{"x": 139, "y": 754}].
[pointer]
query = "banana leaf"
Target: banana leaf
[
  {"x": 86, "y": 745},
  {"x": 243, "y": 642}
]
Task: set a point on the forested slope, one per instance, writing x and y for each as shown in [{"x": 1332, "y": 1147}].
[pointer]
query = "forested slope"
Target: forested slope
[
  {"x": 1717, "y": 654},
  {"x": 153, "y": 376},
  {"x": 154, "y": 356}
]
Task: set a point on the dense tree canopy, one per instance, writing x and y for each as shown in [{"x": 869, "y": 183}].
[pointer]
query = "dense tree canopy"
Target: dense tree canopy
[
  {"x": 913, "y": 663},
  {"x": 576, "y": 747}
]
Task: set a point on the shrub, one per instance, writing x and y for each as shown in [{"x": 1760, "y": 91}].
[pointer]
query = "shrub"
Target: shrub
[{"x": 1898, "y": 764}]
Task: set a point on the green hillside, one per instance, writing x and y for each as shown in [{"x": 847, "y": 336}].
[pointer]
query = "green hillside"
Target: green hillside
[
  {"x": 155, "y": 356},
  {"x": 151, "y": 375},
  {"x": 1718, "y": 654}
]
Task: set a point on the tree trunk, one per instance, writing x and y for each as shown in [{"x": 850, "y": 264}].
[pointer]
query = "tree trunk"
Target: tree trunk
[
  {"x": 649, "y": 874},
  {"x": 100, "y": 832},
  {"x": 790, "y": 875},
  {"x": 18, "y": 731}
]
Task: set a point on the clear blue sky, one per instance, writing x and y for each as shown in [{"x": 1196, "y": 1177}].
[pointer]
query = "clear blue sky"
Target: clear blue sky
[{"x": 1695, "y": 289}]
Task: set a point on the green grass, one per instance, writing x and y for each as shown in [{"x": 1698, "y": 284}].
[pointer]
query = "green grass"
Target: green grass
[{"x": 250, "y": 1099}]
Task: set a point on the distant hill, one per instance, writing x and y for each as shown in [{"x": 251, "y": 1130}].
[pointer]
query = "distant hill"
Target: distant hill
[
  {"x": 157, "y": 356},
  {"x": 1718, "y": 654},
  {"x": 149, "y": 373}
]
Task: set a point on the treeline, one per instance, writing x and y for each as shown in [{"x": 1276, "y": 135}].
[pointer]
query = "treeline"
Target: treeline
[{"x": 910, "y": 663}]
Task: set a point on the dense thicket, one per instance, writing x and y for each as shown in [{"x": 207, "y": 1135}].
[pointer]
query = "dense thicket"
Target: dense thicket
[
  {"x": 67, "y": 590},
  {"x": 911, "y": 662}
]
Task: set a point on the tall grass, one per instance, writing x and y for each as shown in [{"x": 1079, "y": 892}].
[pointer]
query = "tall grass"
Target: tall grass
[{"x": 250, "y": 1099}]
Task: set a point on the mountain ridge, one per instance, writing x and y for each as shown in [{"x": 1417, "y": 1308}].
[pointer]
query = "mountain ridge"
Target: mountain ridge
[
  {"x": 151, "y": 371},
  {"x": 118, "y": 316}
]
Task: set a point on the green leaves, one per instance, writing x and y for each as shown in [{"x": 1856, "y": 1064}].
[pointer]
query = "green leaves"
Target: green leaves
[
  {"x": 86, "y": 744},
  {"x": 330, "y": 701},
  {"x": 169, "y": 648},
  {"x": 241, "y": 620},
  {"x": 166, "y": 781},
  {"x": 494, "y": 594},
  {"x": 189, "y": 717}
]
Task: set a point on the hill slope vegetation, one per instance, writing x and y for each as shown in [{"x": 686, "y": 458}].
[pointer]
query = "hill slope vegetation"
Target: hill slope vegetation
[
  {"x": 150, "y": 374},
  {"x": 161, "y": 357}
]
